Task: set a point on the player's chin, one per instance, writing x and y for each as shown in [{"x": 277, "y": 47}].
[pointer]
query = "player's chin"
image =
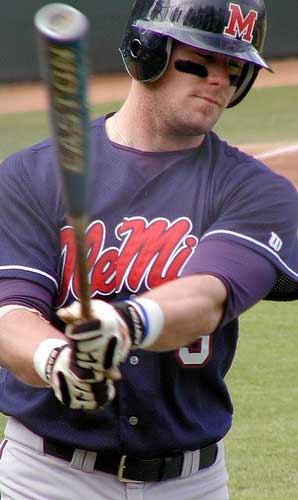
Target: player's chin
[
  {"x": 206, "y": 110},
  {"x": 202, "y": 123},
  {"x": 196, "y": 129}
]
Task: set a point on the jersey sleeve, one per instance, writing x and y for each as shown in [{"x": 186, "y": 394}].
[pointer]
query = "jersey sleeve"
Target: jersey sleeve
[
  {"x": 26, "y": 294},
  {"x": 247, "y": 275},
  {"x": 258, "y": 209},
  {"x": 29, "y": 209}
]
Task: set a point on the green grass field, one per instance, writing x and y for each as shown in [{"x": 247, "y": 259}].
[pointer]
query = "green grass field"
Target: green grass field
[
  {"x": 262, "y": 447},
  {"x": 266, "y": 115}
]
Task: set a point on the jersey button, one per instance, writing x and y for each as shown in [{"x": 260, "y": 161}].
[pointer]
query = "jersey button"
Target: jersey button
[
  {"x": 134, "y": 360},
  {"x": 133, "y": 420}
]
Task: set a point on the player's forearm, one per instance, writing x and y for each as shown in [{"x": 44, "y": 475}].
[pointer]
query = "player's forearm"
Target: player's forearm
[
  {"x": 170, "y": 316},
  {"x": 21, "y": 332},
  {"x": 192, "y": 306}
]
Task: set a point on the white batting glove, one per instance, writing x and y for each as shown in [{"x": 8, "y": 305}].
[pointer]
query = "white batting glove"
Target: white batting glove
[
  {"x": 102, "y": 343},
  {"x": 53, "y": 363},
  {"x": 99, "y": 344}
]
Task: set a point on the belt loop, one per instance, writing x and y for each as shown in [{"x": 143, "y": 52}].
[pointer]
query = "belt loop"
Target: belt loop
[
  {"x": 191, "y": 463},
  {"x": 78, "y": 458},
  {"x": 89, "y": 461},
  {"x": 195, "y": 461}
]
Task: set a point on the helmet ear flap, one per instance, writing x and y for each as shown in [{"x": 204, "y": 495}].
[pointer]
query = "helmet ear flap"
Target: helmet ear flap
[{"x": 145, "y": 54}]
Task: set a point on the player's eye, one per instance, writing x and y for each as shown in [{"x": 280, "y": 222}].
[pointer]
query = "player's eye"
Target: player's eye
[
  {"x": 205, "y": 57},
  {"x": 235, "y": 70},
  {"x": 235, "y": 67},
  {"x": 234, "y": 80}
]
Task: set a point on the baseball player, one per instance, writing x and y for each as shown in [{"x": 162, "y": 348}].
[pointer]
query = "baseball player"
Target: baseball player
[{"x": 185, "y": 234}]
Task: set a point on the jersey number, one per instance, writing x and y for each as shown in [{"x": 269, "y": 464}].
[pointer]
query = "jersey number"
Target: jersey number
[{"x": 197, "y": 354}]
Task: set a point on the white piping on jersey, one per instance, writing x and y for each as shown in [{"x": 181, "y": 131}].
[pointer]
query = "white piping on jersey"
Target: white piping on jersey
[
  {"x": 32, "y": 270},
  {"x": 220, "y": 231},
  {"x": 256, "y": 242}
]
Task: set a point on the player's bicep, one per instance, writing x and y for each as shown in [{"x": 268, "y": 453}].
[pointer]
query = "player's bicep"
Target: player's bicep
[{"x": 248, "y": 276}]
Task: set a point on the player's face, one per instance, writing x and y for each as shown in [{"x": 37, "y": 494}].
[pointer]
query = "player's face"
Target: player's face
[{"x": 196, "y": 88}]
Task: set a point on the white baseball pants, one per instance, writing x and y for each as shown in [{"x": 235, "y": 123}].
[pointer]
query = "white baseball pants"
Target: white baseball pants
[{"x": 26, "y": 473}]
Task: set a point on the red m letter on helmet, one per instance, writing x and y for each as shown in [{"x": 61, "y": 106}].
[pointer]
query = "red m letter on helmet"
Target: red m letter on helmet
[{"x": 239, "y": 26}]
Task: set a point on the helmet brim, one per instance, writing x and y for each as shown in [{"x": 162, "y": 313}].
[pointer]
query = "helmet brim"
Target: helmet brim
[{"x": 211, "y": 42}]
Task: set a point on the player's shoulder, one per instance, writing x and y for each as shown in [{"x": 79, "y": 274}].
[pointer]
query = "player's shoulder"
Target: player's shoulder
[
  {"x": 41, "y": 153},
  {"x": 35, "y": 165},
  {"x": 98, "y": 122},
  {"x": 35, "y": 154},
  {"x": 97, "y": 130},
  {"x": 31, "y": 170},
  {"x": 231, "y": 155},
  {"x": 239, "y": 168}
]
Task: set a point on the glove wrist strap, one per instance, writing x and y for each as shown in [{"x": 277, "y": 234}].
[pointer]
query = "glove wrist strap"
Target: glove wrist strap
[
  {"x": 45, "y": 355},
  {"x": 144, "y": 318}
]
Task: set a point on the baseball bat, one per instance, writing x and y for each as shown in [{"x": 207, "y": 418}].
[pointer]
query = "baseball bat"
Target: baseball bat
[{"x": 62, "y": 37}]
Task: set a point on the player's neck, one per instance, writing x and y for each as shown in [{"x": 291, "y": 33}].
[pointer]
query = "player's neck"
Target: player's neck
[{"x": 136, "y": 127}]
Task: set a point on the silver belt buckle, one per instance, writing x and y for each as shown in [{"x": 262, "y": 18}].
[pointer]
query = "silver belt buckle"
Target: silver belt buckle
[{"x": 121, "y": 471}]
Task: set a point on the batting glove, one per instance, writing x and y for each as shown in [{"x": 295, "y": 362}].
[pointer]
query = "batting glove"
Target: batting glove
[
  {"x": 102, "y": 343},
  {"x": 53, "y": 361}
]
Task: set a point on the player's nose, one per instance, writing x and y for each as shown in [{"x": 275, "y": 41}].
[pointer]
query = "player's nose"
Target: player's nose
[{"x": 218, "y": 74}]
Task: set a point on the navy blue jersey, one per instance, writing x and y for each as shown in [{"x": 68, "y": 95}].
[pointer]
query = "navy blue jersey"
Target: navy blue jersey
[{"x": 151, "y": 218}]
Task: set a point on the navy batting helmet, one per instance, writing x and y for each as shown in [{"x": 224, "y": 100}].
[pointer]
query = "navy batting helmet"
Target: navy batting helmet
[{"x": 232, "y": 28}]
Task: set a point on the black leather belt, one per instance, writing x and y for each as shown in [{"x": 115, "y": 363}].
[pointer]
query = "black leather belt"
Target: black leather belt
[{"x": 128, "y": 468}]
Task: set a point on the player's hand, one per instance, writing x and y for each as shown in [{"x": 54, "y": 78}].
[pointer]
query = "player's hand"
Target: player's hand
[
  {"x": 102, "y": 343},
  {"x": 69, "y": 388}
]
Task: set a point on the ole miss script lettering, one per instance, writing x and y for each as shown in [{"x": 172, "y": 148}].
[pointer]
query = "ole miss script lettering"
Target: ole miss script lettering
[{"x": 149, "y": 254}]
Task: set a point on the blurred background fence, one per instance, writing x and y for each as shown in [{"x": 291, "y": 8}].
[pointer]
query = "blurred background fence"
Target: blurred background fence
[{"x": 18, "y": 51}]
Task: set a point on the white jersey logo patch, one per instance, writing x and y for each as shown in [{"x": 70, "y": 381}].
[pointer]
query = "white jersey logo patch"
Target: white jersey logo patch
[{"x": 275, "y": 242}]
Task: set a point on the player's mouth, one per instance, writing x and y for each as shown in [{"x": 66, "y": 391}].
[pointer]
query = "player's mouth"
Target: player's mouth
[
  {"x": 217, "y": 101},
  {"x": 211, "y": 100}
]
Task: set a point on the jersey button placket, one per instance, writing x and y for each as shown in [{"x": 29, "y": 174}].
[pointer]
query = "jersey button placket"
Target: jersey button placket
[
  {"x": 134, "y": 360},
  {"x": 133, "y": 420}
]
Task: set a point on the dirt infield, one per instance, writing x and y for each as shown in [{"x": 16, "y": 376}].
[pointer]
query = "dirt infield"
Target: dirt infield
[
  {"x": 16, "y": 97},
  {"x": 282, "y": 158}
]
